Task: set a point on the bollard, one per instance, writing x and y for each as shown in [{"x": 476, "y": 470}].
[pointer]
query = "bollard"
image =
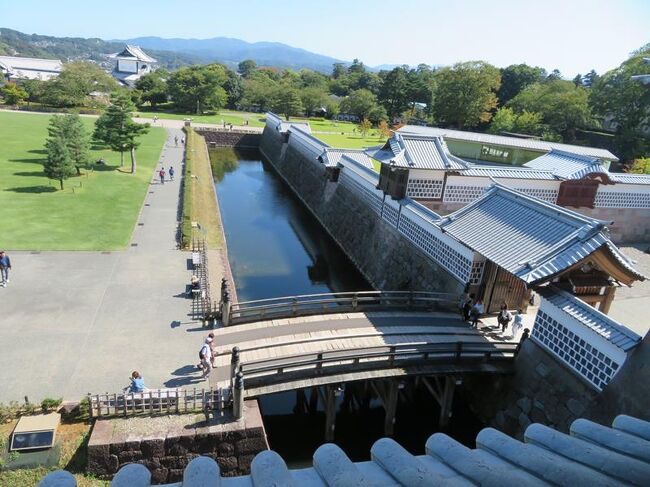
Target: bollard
[
  {"x": 234, "y": 365},
  {"x": 225, "y": 309},
  {"x": 238, "y": 394}
]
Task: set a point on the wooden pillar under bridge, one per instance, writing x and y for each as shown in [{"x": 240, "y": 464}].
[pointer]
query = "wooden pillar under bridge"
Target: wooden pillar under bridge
[
  {"x": 330, "y": 412},
  {"x": 443, "y": 392},
  {"x": 388, "y": 392}
]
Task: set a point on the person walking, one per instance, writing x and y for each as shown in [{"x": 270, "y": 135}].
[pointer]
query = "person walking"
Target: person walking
[
  {"x": 5, "y": 265},
  {"x": 518, "y": 324},
  {"x": 161, "y": 173},
  {"x": 176, "y": 140},
  {"x": 182, "y": 140},
  {"x": 504, "y": 317},
  {"x": 205, "y": 354},
  {"x": 476, "y": 312},
  {"x": 467, "y": 306},
  {"x": 171, "y": 173}
]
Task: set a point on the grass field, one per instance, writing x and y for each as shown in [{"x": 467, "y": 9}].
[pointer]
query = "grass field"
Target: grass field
[
  {"x": 347, "y": 141},
  {"x": 96, "y": 211}
]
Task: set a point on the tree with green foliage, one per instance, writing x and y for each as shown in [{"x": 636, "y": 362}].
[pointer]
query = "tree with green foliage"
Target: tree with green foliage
[
  {"x": 623, "y": 105},
  {"x": 507, "y": 120},
  {"x": 71, "y": 129},
  {"x": 198, "y": 88},
  {"x": 246, "y": 67},
  {"x": 73, "y": 87},
  {"x": 395, "y": 93},
  {"x": 466, "y": 94},
  {"x": 640, "y": 166},
  {"x": 313, "y": 98},
  {"x": 58, "y": 165},
  {"x": 563, "y": 106},
  {"x": 153, "y": 87},
  {"x": 503, "y": 121},
  {"x": 116, "y": 129},
  {"x": 234, "y": 87},
  {"x": 515, "y": 78},
  {"x": 362, "y": 103},
  {"x": 364, "y": 127},
  {"x": 13, "y": 94},
  {"x": 287, "y": 101}
]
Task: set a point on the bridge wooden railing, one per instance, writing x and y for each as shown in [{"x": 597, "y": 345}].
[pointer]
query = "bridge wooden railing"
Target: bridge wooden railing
[
  {"x": 327, "y": 303},
  {"x": 158, "y": 401},
  {"x": 381, "y": 356}
]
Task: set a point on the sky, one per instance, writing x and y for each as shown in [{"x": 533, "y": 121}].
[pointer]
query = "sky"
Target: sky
[{"x": 573, "y": 36}]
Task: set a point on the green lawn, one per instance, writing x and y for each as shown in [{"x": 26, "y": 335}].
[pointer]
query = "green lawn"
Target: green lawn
[
  {"x": 347, "y": 141},
  {"x": 96, "y": 211},
  {"x": 228, "y": 116}
]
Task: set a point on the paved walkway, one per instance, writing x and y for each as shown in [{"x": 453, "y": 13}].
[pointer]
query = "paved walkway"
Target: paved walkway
[{"x": 78, "y": 322}]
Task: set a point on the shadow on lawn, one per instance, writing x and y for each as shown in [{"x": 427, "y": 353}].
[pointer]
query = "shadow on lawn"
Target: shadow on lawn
[
  {"x": 39, "y": 160},
  {"x": 30, "y": 174},
  {"x": 33, "y": 189}
]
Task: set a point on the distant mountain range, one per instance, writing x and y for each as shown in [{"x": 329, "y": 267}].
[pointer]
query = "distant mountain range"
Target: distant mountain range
[
  {"x": 170, "y": 53},
  {"x": 231, "y": 51}
]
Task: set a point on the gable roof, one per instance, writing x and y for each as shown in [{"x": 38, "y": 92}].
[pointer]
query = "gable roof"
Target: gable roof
[
  {"x": 331, "y": 156},
  {"x": 500, "y": 140},
  {"x": 135, "y": 52},
  {"x": 419, "y": 152},
  {"x": 566, "y": 165},
  {"x": 528, "y": 237},
  {"x": 587, "y": 315},
  {"x": 30, "y": 68}
]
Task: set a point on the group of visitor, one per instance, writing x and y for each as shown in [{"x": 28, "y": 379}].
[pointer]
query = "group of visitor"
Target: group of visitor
[
  {"x": 162, "y": 174},
  {"x": 472, "y": 309}
]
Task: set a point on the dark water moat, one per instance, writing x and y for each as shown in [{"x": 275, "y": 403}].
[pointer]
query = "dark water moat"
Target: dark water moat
[{"x": 277, "y": 248}]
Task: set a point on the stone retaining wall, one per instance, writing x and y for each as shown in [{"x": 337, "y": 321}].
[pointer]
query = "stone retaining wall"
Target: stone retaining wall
[
  {"x": 241, "y": 140},
  {"x": 166, "y": 444},
  {"x": 387, "y": 259}
]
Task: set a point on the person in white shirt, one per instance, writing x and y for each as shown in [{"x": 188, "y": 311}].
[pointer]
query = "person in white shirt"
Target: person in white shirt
[
  {"x": 476, "y": 312},
  {"x": 205, "y": 354}
]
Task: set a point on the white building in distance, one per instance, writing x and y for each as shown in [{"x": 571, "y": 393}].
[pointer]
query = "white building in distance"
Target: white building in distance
[
  {"x": 22, "y": 68},
  {"x": 132, "y": 63}
]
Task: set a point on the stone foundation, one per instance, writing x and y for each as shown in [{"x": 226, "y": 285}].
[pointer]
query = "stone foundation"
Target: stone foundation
[
  {"x": 166, "y": 444},
  {"x": 242, "y": 140}
]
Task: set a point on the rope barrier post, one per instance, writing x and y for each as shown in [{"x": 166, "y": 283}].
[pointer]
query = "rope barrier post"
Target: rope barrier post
[
  {"x": 238, "y": 403},
  {"x": 235, "y": 360}
]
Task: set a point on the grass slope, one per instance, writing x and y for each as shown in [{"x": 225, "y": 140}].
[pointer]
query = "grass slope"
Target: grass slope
[
  {"x": 347, "y": 141},
  {"x": 99, "y": 215}
]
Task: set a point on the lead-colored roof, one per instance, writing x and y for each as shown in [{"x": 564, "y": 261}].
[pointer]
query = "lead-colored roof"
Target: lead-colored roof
[
  {"x": 528, "y": 237},
  {"x": 610, "y": 330},
  {"x": 135, "y": 52},
  {"x": 331, "y": 156},
  {"x": 566, "y": 165},
  {"x": 500, "y": 140},
  {"x": 30, "y": 68},
  {"x": 630, "y": 178},
  {"x": 510, "y": 172},
  {"x": 419, "y": 152}
]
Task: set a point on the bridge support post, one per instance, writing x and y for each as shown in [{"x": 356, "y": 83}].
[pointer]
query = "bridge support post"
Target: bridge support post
[
  {"x": 238, "y": 397},
  {"x": 447, "y": 400},
  {"x": 390, "y": 406},
  {"x": 235, "y": 360},
  {"x": 330, "y": 413}
]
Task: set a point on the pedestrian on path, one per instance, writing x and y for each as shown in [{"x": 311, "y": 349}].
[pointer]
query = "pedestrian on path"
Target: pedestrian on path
[
  {"x": 171, "y": 173},
  {"x": 205, "y": 355},
  {"x": 176, "y": 140},
  {"x": 467, "y": 306},
  {"x": 182, "y": 140},
  {"x": 5, "y": 265},
  {"x": 504, "y": 317},
  {"x": 476, "y": 312},
  {"x": 137, "y": 383},
  {"x": 161, "y": 173},
  {"x": 213, "y": 352},
  {"x": 518, "y": 324}
]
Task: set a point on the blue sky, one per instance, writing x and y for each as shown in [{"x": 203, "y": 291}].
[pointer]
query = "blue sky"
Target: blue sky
[{"x": 571, "y": 35}]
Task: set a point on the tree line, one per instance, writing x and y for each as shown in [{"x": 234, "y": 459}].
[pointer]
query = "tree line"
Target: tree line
[{"x": 472, "y": 95}]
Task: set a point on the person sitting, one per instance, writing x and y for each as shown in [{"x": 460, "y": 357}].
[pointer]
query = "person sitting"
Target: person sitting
[{"x": 137, "y": 383}]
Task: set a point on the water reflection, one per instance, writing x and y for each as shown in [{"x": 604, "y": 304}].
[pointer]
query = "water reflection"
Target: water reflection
[{"x": 275, "y": 246}]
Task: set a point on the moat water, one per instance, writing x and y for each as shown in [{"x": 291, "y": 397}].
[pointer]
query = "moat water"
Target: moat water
[{"x": 277, "y": 248}]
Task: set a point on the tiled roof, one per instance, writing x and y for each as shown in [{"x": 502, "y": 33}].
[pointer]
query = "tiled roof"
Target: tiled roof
[
  {"x": 332, "y": 156},
  {"x": 589, "y": 454},
  {"x": 529, "y": 144},
  {"x": 30, "y": 68},
  {"x": 566, "y": 165},
  {"x": 510, "y": 172},
  {"x": 135, "y": 52},
  {"x": 528, "y": 237},
  {"x": 630, "y": 178},
  {"x": 618, "y": 335},
  {"x": 418, "y": 152}
]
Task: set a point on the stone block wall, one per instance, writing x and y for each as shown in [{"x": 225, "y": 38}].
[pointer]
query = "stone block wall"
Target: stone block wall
[
  {"x": 387, "y": 259},
  {"x": 166, "y": 444},
  {"x": 230, "y": 139}
]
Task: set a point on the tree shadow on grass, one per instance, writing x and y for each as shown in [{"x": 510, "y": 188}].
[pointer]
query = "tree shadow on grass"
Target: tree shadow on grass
[
  {"x": 39, "y": 160},
  {"x": 30, "y": 173},
  {"x": 37, "y": 151},
  {"x": 33, "y": 189},
  {"x": 104, "y": 167}
]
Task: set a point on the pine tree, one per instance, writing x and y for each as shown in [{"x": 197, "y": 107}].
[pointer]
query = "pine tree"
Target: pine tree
[
  {"x": 58, "y": 165},
  {"x": 71, "y": 129},
  {"x": 116, "y": 129}
]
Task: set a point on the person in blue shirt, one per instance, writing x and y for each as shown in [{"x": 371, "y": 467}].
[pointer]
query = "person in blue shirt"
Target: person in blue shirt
[
  {"x": 5, "y": 265},
  {"x": 137, "y": 382}
]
